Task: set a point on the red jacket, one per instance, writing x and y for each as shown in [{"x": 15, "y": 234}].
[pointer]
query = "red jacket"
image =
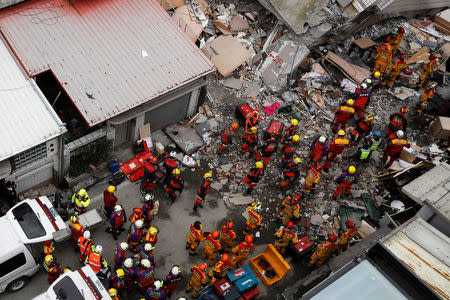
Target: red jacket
[
  {"x": 109, "y": 199},
  {"x": 345, "y": 113},
  {"x": 338, "y": 145},
  {"x": 227, "y": 136},
  {"x": 204, "y": 187},
  {"x": 396, "y": 146}
]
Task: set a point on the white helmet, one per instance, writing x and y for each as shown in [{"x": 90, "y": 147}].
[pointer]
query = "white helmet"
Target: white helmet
[
  {"x": 158, "y": 284},
  {"x": 124, "y": 246},
  {"x": 87, "y": 234},
  {"x": 98, "y": 249},
  {"x": 148, "y": 247},
  {"x": 175, "y": 270},
  {"x": 367, "y": 81},
  {"x": 146, "y": 263},
  {"x": 117, "y": 208},
  {"x": 149, "y": 197},
  {"x": 128, "y": 263},
  {"x": 322, "y": 139},
  {"x": 400, "y": 133},
  {"x": 139, "y": 223},
  {"x": 364, "y": 85}
]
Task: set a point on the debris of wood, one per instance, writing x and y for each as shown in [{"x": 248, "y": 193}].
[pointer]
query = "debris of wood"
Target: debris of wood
[
  {"x": 171, "y": 4},
  {"x": 223, "y": 28},
  {"x": 442, "y": 21},
  {"x": 191, "y": 28},
  {"x": 238, "y": 23},
  {"x": 420, "y": 55},
  {"x": 354, "y": 72},
  {"x": 365, "y": 43},
  {"x": 317, "y": 99}
]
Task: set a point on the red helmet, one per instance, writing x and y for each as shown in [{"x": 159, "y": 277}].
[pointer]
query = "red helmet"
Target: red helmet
[
  {"x": 349, "y": 224},
  {"x": 387, "y": 39},
  {"x": 432, "y": 56},
  {"x": 403, "y": 56},
  {"x": 248, "y": 239},
  {"x": 332, "y": 238},
  {"x": 401, "y": 30},
  {"x": 319, "y": 167},
  {"x": 403, "y": 110},
  {"x": 203, "y": 267},
  {"x": 230, "y": 224},
  {"x": 290, "y": 224},
  {"x": 215, "y": 234},
  {"x": 297, "y": 197},
  {"x": 225, "y": 257},
  {"x": 154, "y": 160}
]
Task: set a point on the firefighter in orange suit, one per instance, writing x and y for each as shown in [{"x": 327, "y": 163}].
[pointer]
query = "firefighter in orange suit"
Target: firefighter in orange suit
[
  {"x": 337, "y": 146},
  {"x": 254, "y": 218},
  {"x": 138, "y": 214},
  {"x": 227, "y": 137},
  {"x": 267, "y": 150},
  {"x": 175, "y": 185},
  {"x": 291, "y": 131},
  {"x": 395, "y": 148},
  {"x": 319, "y": 149},
  {"x": 312, "y": 180},
  {"x": 291, "y": 172},
  {"x": 345, "y": 181},
  {"x": 198, "y": 279},
  {"x": 220, "y": 269},
  {"x": 212, "y": 247},
  {"x": 77, "y": 230},
  {"x": 203, "y": 189},
  {"x": 382, "y": 59},
  {"x": 249, "y": 141},
  {"x": 291, "y": 209},
  {"x": 49, "y": 248},
  {"x": 195, "y": 237},
  {"x": 252, "y": 120},
  {"x": 85, "y": 245},
  {"x": 227, "y": 236},
  {"x": 397, "y": 121},
  {"x": 95, "y": 259},
  {"x": 242, "y": 251},
  {"x": 323, "y": 251},
  {"x": 428, "y": 70},
  {"x": 347, "y": 235},
  {"x": 284, "y": 236},
  {"x": 342, "y": 115},
  {"x": 396, "y": 41},
  {"x": 427, "y": 94},
  {"x": 254, "y": 177},
  {"x": 289, "y": 149},
  {"x": 394, "y": 70}
]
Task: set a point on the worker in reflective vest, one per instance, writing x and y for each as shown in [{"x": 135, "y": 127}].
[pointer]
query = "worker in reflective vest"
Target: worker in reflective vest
[
  {"x": 254, "y": 218},
  {"x": 394, "y": 148},
  {"x": 95, "y": 260},
  {"x": 52, "y": 268},
  {"x": 195, "y": 237},
  {"x": 242, "y": 251},
  {"x": 362, "y": 97},
  {"x": 383, "y": 59},
  {"x": 77, "y": 230},
  {"x": 86, "y": 246},
  {"x": 212, "y": 246},
  {"x": 342, "y": 115},
  {"x": 145, "y": 275},
  {"x": 345, "y": 181},
  {"x": 249, "y": 141},
  {"x": 394, "y": 70},
  {"x": 254, "y": 177},
  {"x": 284, "y": 236},
  {"x": 362, "y": 128},
  {"x": 398, "y": 121},
  {"x": 198, "y": 279},
  {"x": 227, "y": 236},
  {"x": 363, "y": 153},
  {"x": 172, "y": 280},
  {"x": 203, "y": 189},
  {"x": 227, "y": 137},
  {"x": 337, "y": 146},
  {"x": 323, "y": 251},
  {"x": 374, "y": 140},
  {"x": 120, "y": 254},
  {"x": 396, "y": 41},
  {"x": 347, "y": 235},
  {"x": 220, "y": 269},
  {"x": 291, "y": 209},
  {"x": 81, "y": 201},
  {"x": 428, "y": 70}
]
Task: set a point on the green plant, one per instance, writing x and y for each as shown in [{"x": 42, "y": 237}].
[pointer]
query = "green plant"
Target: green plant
[{"x": 94, "y": 153}]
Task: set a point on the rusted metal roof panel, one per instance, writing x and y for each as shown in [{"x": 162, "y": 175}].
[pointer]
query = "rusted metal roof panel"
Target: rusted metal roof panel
[
  {"x": 425, "y": 250},
  {"x": 108, "y": 55}
]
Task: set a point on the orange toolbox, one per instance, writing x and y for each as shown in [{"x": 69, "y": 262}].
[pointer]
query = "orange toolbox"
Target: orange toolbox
[{"x": 270, "y": 266}]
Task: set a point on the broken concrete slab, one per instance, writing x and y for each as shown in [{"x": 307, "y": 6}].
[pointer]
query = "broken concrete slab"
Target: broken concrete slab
[
  {"x": 217, "y": 185},
  {"x": 316, "y": 219},
  {"x": 226, "y": 167},
  {"x": 239, "y": 199},
  {"x": 185, "y": 137},
  {"x": 238, "y": 23},
  {"x": 226, "y": 53},
  {"x": 202, "y": 127},
  {"x": 352, "y": 71},
  {"x": 233, "y": 83},
  {"x": 191, "y": 29},
  {"x": 403, "y": 93}
]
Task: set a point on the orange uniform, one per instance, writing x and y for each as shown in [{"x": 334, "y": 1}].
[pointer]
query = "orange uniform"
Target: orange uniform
[
  {"x": 342, "y": 115},
  {"x": 291, "y": 209},
  {"x": 427, "y": 71},
  {"x": 241, "y": 252},
  {"x": 346, "y": 237},
  {"x": 394, "y": 71},
  {"x": 253, "y": 221},
  {"x": 219, "y": 270},
  {"x": 212, "y": 246},
  {"x": 393, "y": 150},
  {"x": 226, "y": 138},
  {"x": 396, "y": 42},
  {"x": 198, "y": 279},
  {"x": 77, "y": 231},
  {"x": 194, "y": 238},
  {"x": 282, "y": 239},
  {"x": 311, "y": 180},
  {"x": 426, "y": 95},
  {"x": 382, "y": 59},
  {"x": 337, "y": 146},
  {"x": 227, "y": 237},
  {"x": 323, "y": 251}
]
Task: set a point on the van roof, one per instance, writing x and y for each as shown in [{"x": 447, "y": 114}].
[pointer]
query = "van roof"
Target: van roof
[{"x": 10, "y": 240}]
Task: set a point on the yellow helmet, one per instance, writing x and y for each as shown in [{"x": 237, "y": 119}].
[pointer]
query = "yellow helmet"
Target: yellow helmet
[
  {"x": 73, "y": 219},
  {"x": 48, "y": 259},
  {"x": 351, "y": 169},
  {"x": 153, "y": 231},
  {"x": 296, "y": 138},
  {"x": 377, "y": 74},
  {"x": 341, "y": 133},
  {"x": 257, "y": 205},
  {"x": 176, "y": 171},
  {"x": 82, "y": 192},
  {"x": 294, "y": 122},
  {"x": 369, "y": 117},
  {"x": 350, "y": 102},
  {"x": 112, "y": 292},
  {"x": 120, "y": 273},
  {"x": 111, "y": 189},
  {"x": 297, "y": 160},
  {"x": 66, "y": 270},
  {"x": 254, "y": 129},
  {"x": 259, "y": 164},
  {"x": 207, "y": 175}
]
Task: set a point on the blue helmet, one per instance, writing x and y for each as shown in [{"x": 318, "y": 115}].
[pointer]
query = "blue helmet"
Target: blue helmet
[{"x": 377, "y": 133}]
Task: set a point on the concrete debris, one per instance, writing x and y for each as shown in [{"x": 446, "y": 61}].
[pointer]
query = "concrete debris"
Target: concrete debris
[
  {"x": 185, "y": 137},
  {"x": 403, "y": 93},
  {"x": 233, "y": 83},
  {"x": 217, "y": 185},
  {"x": 226, "y": 167},
  {"x": 238, "y": 199},
  {"x": 348, "y": 86},
  {"x": 352, "y": 71},
  {"x": 317, "y": 219}
]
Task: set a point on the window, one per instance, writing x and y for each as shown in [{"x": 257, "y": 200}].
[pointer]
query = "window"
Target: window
[
  {"x": 12, "y": 264},
  {"x": 28, "y": 220},
  {"x": 67, "y": 290},
  {"x": 30, "y": 156}
]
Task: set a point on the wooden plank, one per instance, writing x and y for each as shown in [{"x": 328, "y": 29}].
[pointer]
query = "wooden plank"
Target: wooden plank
[
  {"x": 418, "y": 56},
  {"x": 365, "y": 43},
  {"x": 354, "y": 72},
  {"x": 169, "y": 4},
  {"x": 144, "y": 131}
]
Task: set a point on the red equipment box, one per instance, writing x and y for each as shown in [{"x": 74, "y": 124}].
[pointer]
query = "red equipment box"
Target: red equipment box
[
  {"x": 274, "y": 130},
  {"x": 251, "y": 294},
  {"x": 221, "y": 287},
  {"x": 243, "y": 112},
  {"x": 303, "y": 246}
]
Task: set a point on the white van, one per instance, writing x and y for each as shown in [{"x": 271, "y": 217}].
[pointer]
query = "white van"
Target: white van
[
  {"x": 29, "y": 222},
  {"x": 76, "y": 285}
]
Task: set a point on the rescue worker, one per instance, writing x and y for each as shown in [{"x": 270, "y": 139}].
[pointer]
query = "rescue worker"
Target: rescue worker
[
  {"x": 362, "y": 97},
  {"x": 157, "y": 292},
  {"x": 398, "y": 121},
  {"x": 382, "y": 46},
  {"x": 362, "y": 128},
  {"x": 49, "y": 248},
  {"x": 150, "y": 208},
  {"x": 152, "y": 236},
  {"x": 169, "y": 164},
  {"x": 227, "y": 236},
  {"x": 394, "y": 70},
  {"x": 109, "y": 200},
  {"x": 374, "y": 82},
  {"x": 120, "y": 254},
  {"x": 198, "y": 279},
  {"x": 249, "y": 141},
  {"x": 117, "y": 280},
  {"x": 220, "y": 269},
  {"x": 284, "y": 236},
  {"x": 394, "y": 148},
  {"x": 135, "y": 235},
  {"x": 291, "y": 172},
  {"x": 146, "y": 252},
  {"x": 95, "y": 259},
  {"x": 342, "y": 115},
  {"x": 81, "y": 201},
  {"x": 345, "y": 181},
  {"x": 338, "y": 145},
  {"x": 374, "y": 140},
  {"x": 291, "y": 209},
  {"x": 323, "y": 251},
  {"x": 145, "y": 275},
  {"x": 77, "y": 230},
  {"x": 138, "y": 214},
  {"x": 428, "y": 70},
  {"x": 311, "y": 180},
  {"x": 113, "y": 294},
  {"x": 396, "y": 41},
  {"x": 254, "y": 218},
  {"x": 242, "y": 251},
  {"x": 319, "y": 149},
  {"x": 291, "y": 131},
  {"x": 203, "y": 189},
  {"x": 362, "y": 154},
  {"x": 175, "y": 185},
  {"x": 252, "y": 120},
  {"x": 383, "y": 59},
  {"x": 86, "y": 246},
  {"x": 150, "y": 174},
  {"x": 267, "y": 150},
  {"x": 172, "y": 280},
  {"x": 52, "y": 268},
  {"x": 347, "y": 235},
  {"x": 130, "y": 276},
  {"x": 195, "y": 237},
  {"x": 212, "y": 247},
  {"x": 427, "y": 94},
  {"x": 117, "y": 220},
  {"x": 227, "y": 137},
  {"x": 254, "y": 177},
  {"x": 289, "y": 149}
]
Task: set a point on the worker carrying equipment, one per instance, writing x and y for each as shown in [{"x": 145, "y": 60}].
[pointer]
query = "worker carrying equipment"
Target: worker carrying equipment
[
  {"x": 345, "y": 181},
  {"x": 267, "y": 150},
  {"x": 242, "y": 251},
  {"x": 362, "y": 128},
  {"x": 291, "y": 172},
  {"x": 319, "y": 149},
  {"x": 198, "y": 279},
  {"x": 347, "y": 235},
  {"x": 249, "y": 141},
  {"x": 323, "y": 251},
  {"x": 109, "y": 200},
  {"x": 254, "y": 177},
  {"x": 312, "y": 180},
  {"x": 212, "y": 247},
  {"x": 428, "y": 70},
  {"x": 227, "y": 137},
  {"x": 397, "y": 121},
  {"x": 284, "y": 236},
  {"x": 203, "y": 189},
  {"x": 342, "y": 115},
  {"x": 174, "y": 186},
  {"x": 220, "y": 269},
  {"x": 227, "y": 236},
  {"x": 337, "y": 146},
  {"x": 172, "y": 280},
  {"x": 362, "y": 99},
  {"x": 254, "y": 219},
  {"x": 291, "y": 209},
  {"x": 81, "y": 201},
  {"x": 195, "y": 237}
]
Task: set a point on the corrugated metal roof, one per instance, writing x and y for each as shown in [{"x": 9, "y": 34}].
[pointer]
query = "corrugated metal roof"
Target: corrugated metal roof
[
  {"x": 25, "y": 120},
  {"x": 108, "y": 55},
  {"x": 425, "y": 250}
]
